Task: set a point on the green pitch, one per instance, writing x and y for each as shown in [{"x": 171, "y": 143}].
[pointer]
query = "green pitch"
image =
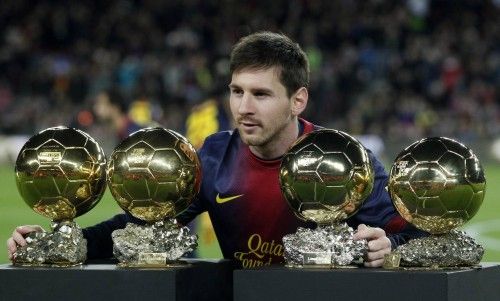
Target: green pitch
[
  {"x": 485, "y": 226},
  {"x": 14, "y": 212}
]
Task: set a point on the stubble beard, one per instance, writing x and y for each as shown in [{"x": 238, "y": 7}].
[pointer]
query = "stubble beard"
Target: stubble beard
[{"x": 266, "y": 137}]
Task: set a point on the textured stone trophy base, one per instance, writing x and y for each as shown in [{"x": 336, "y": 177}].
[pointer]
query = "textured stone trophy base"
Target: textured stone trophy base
[
  {"x": 451, "y": 250},
  {"x": 63, "y": 247},
  {"x": 155, "y": 245},
  {"x": 329, "y": 246}
]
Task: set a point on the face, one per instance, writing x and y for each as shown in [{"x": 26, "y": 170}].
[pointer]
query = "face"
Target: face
[
  {"x": 260, "y": 106},
  {"x": 102, "y": 107}
]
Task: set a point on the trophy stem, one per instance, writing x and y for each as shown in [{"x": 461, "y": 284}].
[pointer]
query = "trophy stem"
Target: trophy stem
[{"x": 63, "y": 247}]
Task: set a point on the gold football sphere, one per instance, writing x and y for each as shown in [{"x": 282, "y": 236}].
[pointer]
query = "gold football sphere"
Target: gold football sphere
[
  {"x": 154, "y": 174},
  {"x": 437, "y": 184},
  {"x": 60, "y": 173},
  {"x": 325, "y": 176}
]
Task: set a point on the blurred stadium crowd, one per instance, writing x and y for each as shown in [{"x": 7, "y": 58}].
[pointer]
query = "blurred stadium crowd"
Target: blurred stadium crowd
[{"x": 389, "y": 68}]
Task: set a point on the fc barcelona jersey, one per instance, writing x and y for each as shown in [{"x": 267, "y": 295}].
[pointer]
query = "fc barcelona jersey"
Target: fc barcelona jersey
[
  {"x": 248, "y": 211},
  {"x": 250, "y": 215}
]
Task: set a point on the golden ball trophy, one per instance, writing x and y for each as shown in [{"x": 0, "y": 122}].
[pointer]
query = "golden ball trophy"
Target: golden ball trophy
[
  {"x": 437, "y": 184},
  {"x": 154, "y": 174},
  {"x": 325, "y": 177},
  {"x": 60, "y": 174}
]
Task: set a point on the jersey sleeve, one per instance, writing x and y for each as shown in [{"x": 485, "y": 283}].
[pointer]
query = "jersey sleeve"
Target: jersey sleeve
[
  {"x": 99, "y": 242},
  {"x": 198, "y": 205},
  {"x": 378, "y": 210},
  {"x": 191, "y": 212}
]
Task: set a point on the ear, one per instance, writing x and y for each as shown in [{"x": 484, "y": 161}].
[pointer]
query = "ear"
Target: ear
[{"x": 299, "y": 101}]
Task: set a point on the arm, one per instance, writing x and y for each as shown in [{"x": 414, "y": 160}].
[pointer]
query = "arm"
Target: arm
[
  {"x": 99, "y": 242},
  {"x": 198, "y": 205},
  {"x": 387, "y": 228},
  {"x": 191, "y": 212},
  {"x": 400, "y": 231}
]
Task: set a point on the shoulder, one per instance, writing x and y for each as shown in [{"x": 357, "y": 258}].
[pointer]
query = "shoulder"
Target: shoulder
[
  {"x": 219, "y": 138},
  {"x": 218, "y": 149},
  {"x": 378, "y": 167},
  {"x": 218, "y": 142}
]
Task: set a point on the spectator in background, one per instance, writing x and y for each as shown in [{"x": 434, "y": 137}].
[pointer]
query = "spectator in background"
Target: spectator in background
[
  {"x": 110, "y": 107},
  {"x": 240, "y": 186},
  {"x": 207, "y": 118},
  {"x": 363, "y": 54}
]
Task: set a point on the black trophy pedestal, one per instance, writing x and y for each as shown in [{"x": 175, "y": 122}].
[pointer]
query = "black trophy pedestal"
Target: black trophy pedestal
[
  {"x": 198, "y": 280},
  {"x": 281, "y": 283}
]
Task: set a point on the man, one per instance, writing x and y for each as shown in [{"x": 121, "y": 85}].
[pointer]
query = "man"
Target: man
[
  {"x": 240, "y": 188},
  {"x": 110, "y": 107}
]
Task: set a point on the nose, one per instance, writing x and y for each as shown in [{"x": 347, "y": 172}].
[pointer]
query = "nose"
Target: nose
[{"x": 246, "y": 105}]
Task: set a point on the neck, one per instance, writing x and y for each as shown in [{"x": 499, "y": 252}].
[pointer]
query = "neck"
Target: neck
[{"x": 279, "y": 144}]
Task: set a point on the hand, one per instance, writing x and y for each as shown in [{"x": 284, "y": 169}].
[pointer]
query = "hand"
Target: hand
[
  {"x": 17, "y": 238},
  {"x": 378, "y": 245}
]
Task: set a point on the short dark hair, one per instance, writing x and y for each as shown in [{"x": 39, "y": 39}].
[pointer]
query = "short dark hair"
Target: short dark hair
[
  {"x": 266, "y": 49},
  {"x": 116, "y": 99}
]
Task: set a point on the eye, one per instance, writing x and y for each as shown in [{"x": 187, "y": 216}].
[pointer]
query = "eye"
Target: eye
[
  {"x": 260, "y": 94},
  {"x": 236, "y": 91}
]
